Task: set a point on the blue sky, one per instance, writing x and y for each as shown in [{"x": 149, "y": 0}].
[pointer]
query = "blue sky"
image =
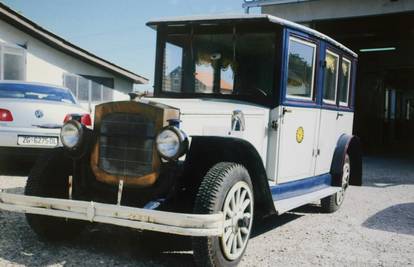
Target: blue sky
[{"x": 115, "y": 30}]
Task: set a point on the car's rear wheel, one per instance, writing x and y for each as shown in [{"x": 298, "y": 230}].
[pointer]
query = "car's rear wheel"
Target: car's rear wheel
[
  {"x": 226, "y": 188},
  {"x": 49, "y": 178},
  {"x": 334, "y": 202}
]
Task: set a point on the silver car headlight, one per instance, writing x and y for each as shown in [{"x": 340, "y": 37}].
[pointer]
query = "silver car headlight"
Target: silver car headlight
[
  {"x": 171, "y": 143},
  {"x": 71, "y": 134}
]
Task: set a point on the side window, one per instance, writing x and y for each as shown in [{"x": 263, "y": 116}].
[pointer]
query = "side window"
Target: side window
[
  {"x": 344, "y": 82},
  {"x": 330, "y": 80},
  {"x": 172, "y": 71},
  {"x": 301, "y": 69}
]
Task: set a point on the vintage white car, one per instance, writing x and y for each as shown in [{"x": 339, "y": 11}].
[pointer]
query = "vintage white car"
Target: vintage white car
[
  {"x": 31, "y": 115},
  {"x": 252, "y": 116}
]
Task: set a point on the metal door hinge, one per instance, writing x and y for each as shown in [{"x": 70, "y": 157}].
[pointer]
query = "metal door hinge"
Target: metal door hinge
[
  {"x": 237, "y": 121},
  {"x": 286, "y": 110},
  {"x": 274, "y": 125}
]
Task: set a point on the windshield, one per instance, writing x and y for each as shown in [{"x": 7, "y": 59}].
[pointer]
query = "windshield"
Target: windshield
[
  {"x": 229, "y": 63},
  {"x": 37, "y": 92}
]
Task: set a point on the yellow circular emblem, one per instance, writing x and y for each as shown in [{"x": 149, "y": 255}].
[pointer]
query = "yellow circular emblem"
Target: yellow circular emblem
[{"x": 300, "y": 134}]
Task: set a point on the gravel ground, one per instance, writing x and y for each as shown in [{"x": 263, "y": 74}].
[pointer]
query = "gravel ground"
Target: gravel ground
[{"x": 374, "y": 227}]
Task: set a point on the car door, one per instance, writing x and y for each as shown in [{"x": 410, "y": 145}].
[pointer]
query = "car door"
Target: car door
[
  {"x": 336, "y": 116},
  {"x": 299, "y": 112},
  {"x": 327, "y": 136}
]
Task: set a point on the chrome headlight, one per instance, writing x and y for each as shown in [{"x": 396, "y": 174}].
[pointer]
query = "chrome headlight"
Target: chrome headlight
[
  {"x": 71, "y": 134},
  {"x": 171, "y": 143}
]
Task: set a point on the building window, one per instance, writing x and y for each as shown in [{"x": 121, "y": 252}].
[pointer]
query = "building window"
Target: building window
[
  {"x": 87, "y": 90},
  {"x": 301, "y": 69},
  {"x": 330, "y": 80},
  {"x": 13, "y": 63}
]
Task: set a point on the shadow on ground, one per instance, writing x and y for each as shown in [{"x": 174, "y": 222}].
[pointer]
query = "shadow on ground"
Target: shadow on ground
[
  {"x": 397, "y": 219},
  {"x": 97, "y": 245},
  {"x": 272, "y": 222},
  {"x": 106, "y": 245},
  {"x": 310, "y": 208}
]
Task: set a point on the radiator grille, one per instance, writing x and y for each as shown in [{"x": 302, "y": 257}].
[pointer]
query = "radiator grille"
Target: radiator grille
[{"x": 126, "y": 144}]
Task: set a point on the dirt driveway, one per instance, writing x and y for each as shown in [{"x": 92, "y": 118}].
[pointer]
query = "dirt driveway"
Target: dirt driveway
[{"x": 375, "y": 227}]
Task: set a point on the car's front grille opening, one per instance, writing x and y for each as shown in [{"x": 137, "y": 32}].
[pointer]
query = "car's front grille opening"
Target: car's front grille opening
[{"x": 126, "y": 144}]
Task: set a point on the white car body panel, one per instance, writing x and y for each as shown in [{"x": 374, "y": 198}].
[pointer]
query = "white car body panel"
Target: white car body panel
[
  {"x": 326, "y": 142},
  {"x": 275, "y": 117},
  {"x": 331, "y": 128},
  {"x": 26, "y": 123},
  {"x": 284, "y": 158},
  {"x": 212, "y": 117},
  {"x": 296, "y": 158}
]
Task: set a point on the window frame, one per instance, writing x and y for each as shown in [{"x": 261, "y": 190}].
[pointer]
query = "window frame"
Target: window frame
[
  {"x": 181, "y": 65},
  {"x": 309, "y": 43},
  {"x": 328, "y": 101},
  {"x": 346, "y": 104},
  {"x": 6, "y": 48},
  {"x": 90, "y": 85},
  {"x": 279, "y": 43}
]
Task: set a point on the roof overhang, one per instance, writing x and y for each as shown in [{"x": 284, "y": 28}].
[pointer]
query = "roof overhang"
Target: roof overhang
[
  {"x": 247, "y": 17},
  {"x": 33, "y": 29}
]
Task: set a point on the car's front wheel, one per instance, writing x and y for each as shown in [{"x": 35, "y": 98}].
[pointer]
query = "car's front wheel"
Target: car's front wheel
[
  {"x": 49, "y": 178},
  {"x": 226, "y": 188}
]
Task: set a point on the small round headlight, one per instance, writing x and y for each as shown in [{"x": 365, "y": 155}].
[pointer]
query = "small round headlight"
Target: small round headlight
[
  {"x": 71, "y": 134},
  {"x": 171, "y": 143}
]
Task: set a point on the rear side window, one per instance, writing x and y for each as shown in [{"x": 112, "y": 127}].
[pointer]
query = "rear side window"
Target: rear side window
[
  {"x": 330, "y": 77},
  {"x": 35, "y": 92},
  {"x": 301, "y": 69},
  {"x": 345, "y": 82}
]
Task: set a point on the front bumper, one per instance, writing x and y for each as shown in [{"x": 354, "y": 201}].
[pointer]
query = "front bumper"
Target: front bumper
[{"x": 137, "y": 218}]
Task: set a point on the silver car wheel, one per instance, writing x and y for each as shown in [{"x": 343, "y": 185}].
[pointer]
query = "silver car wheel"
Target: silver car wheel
[
  {"x": 346, "y": 171},
  {"x": 238, "y": 210}
]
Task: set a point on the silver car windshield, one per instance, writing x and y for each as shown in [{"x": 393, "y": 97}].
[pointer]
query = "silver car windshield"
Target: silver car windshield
[{"x": 35, "y": 92}]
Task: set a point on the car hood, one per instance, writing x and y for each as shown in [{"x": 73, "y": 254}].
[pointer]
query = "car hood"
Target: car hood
[{"x": 213, "y": 117}]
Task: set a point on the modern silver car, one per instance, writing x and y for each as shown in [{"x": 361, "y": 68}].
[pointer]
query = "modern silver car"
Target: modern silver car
[{"x": 31, "y": 115}]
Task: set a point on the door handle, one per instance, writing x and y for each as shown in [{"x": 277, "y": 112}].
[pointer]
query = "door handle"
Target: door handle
[
  {"x": 286, "y": 110},
  {"x": 339, "y": 115}
]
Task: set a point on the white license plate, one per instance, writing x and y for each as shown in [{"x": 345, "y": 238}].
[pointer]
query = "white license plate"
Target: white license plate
[{"x": 28, "y": 140}]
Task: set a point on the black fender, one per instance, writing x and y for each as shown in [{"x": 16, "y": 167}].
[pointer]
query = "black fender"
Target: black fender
[
  {"x": 350, "y": 144},
  {"x": 206, "y": 151}
]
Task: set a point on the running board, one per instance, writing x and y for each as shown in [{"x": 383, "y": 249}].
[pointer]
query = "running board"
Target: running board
[{"x": 288, "y": 204}]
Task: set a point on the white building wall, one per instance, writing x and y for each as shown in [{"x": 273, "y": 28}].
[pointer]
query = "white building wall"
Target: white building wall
[{"x": 46, "y": 64}]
